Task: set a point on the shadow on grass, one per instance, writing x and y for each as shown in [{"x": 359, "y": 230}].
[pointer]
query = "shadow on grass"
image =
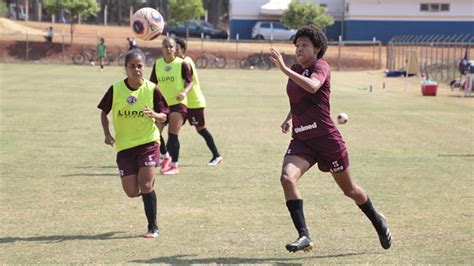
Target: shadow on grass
[
  {"x": 188, "y": 260},
  {"x": 62, "y": 238},
  {"x": 93, "y": 168},
  {"x": 89, "y": 174}
]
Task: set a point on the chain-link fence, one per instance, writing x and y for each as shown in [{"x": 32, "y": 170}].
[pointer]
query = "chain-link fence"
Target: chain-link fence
[
  {"x": 342, "y": 55},
  {"x": 436, "y": 55}
]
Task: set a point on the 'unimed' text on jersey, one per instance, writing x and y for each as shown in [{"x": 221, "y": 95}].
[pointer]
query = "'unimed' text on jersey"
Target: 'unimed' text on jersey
[{"x": 310, "y": 112}]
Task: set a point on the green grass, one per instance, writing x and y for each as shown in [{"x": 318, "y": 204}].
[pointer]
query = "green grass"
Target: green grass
[{"x": 61, "y": 199}]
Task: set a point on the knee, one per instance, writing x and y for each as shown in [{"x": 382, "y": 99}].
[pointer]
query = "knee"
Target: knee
[
  {"x": 132, "y": 194},
  {"x": 353, "y": 193},
  {"x": 287, "y": 180},
  {"x": 146, "y": 188}
]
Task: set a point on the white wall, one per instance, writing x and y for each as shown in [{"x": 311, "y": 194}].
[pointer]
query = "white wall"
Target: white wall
[
  {"x": 250, "y": 9},
  {"x": 245, "y": 9},
  {"x": 460, "y": 10}
]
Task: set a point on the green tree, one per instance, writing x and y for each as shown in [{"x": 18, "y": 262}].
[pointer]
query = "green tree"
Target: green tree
[
  {"x": 75, "y": 9},
  {"x": 181, "y": 11},
  {"x": 3, "y": 9},
  {"x": 300, "y": 14}
]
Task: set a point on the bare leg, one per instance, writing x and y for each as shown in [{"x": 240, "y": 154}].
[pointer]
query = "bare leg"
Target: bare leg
[
  {"x": 350, "y": 188},
  {"x": 130, "y": 186}
]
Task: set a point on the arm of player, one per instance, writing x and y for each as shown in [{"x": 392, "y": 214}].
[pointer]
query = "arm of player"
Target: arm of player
[
  {"x": 285, "y": 126},
  {"x": 159, "y": 117},
  {"x": 310, "y": 85},
  {"x": 109, "y": 140},
  {"x": 187, "y": 89},
  {"x": 187, "y": 75}
]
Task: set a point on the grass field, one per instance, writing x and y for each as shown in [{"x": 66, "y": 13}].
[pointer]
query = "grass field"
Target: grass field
[{"x": 61, "y": 199}]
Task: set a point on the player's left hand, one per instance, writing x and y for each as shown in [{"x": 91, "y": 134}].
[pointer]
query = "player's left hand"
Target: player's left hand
[{"x": 277, "y": 59}]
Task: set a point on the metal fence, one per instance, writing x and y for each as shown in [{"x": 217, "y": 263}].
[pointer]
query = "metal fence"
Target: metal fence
[
  {"x": 342, "y": 55},
  {"x": 436, "y": 55}
]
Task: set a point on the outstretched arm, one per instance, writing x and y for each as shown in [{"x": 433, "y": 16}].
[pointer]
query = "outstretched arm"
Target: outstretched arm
[{"x": 310, "y": 85}]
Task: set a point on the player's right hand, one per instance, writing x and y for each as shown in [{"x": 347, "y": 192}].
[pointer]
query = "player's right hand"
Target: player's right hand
[
  {"x": 285, "y": 127},
  {"x": 109, "y": 140}
]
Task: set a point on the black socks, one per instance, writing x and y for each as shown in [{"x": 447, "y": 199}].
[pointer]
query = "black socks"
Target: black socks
[
  {"x": 370, "y": 212},
  {"x": 163, "y": 149},
  {"x": 209, "y": 141},
  {"x": 173, "y": 147},
  {"x": 149, "y": 201},
  {"x": 297, "y": 215}
]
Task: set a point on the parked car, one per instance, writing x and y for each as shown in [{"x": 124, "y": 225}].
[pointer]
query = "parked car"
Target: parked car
[
  {"x": 265, "y": 30},
  {"x": 196, "y": 27}
]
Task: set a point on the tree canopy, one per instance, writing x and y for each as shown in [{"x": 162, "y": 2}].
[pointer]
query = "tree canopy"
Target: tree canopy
[
  {"x": 73, "y": 10},
  {"x": 300, "y": 14},
  {"x": 181, "y": 11}
]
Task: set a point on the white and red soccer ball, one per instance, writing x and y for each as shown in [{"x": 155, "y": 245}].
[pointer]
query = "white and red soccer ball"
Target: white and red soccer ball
[
  {"x": 147, "y": 24},
  {"x": 342, "y": 118}
]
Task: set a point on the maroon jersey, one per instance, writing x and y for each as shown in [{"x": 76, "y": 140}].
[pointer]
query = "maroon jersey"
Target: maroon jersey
[{"x": 310, "y": 112}]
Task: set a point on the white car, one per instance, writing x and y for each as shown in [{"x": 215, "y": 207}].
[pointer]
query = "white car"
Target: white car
[{"x": 271, "y": 30}]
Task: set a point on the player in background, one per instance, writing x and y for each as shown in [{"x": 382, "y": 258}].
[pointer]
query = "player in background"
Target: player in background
[
  {"x": 175, "y": 78},
  {"x": 132, "y": 43},
  {"x": 196, "y": 105},
  {"x": 101, "y": 52},
  {"x": 135, "y": 104},
  {"x": 315, "y": 138}
]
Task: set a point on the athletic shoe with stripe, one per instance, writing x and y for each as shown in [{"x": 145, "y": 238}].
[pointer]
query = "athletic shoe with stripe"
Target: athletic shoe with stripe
[
  {"x": 385, "y": 236},
  {"x": 302, "y": 243},
  {"x": 215, "y": 161}
]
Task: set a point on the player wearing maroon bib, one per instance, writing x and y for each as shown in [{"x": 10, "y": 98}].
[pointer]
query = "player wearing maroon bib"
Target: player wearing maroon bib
[{"x": 315, "y": 138}]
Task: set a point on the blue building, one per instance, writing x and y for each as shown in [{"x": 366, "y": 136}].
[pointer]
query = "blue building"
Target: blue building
[{"x": 362, "y": 20}]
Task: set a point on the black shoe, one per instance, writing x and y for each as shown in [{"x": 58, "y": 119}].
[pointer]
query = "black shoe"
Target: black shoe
[
  {"x": 384, "y": 233},
  {"x": 302, "y": 243}
]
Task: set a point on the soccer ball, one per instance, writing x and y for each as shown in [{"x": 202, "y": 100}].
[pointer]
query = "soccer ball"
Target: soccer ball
[
  {"x": 147, "y": 24},
  {"x": 342, "y": 118}
]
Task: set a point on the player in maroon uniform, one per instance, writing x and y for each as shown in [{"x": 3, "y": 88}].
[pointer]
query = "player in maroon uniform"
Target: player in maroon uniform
[{"x": 315, "y": 138}]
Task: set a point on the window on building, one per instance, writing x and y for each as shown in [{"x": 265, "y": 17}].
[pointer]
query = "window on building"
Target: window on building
[
  {"x": 444, "y": 7},
  {"x": 434, "y": 7},
  {"x": 424, "y": 7}
]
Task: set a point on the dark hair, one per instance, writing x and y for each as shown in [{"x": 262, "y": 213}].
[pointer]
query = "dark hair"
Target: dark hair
[
  {"x": 133, "y": 54},
  {"x": 182, "y": 43},
  {"x": 317, "y": 37}
]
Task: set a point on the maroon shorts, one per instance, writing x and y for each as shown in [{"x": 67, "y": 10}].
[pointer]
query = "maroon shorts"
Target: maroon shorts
[
  {"x": 196, "y": 117},
  {"x": 130, "y": 160},
  {"x": 179, "y": 108},
  {"x": 329, "y": 152}
]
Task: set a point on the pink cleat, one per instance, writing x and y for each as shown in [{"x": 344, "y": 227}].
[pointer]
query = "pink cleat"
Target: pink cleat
[
  {"x": 173, "y": 170},
  {"x": 165, "y": 164},
  {"x": 152, "y": 233}
]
